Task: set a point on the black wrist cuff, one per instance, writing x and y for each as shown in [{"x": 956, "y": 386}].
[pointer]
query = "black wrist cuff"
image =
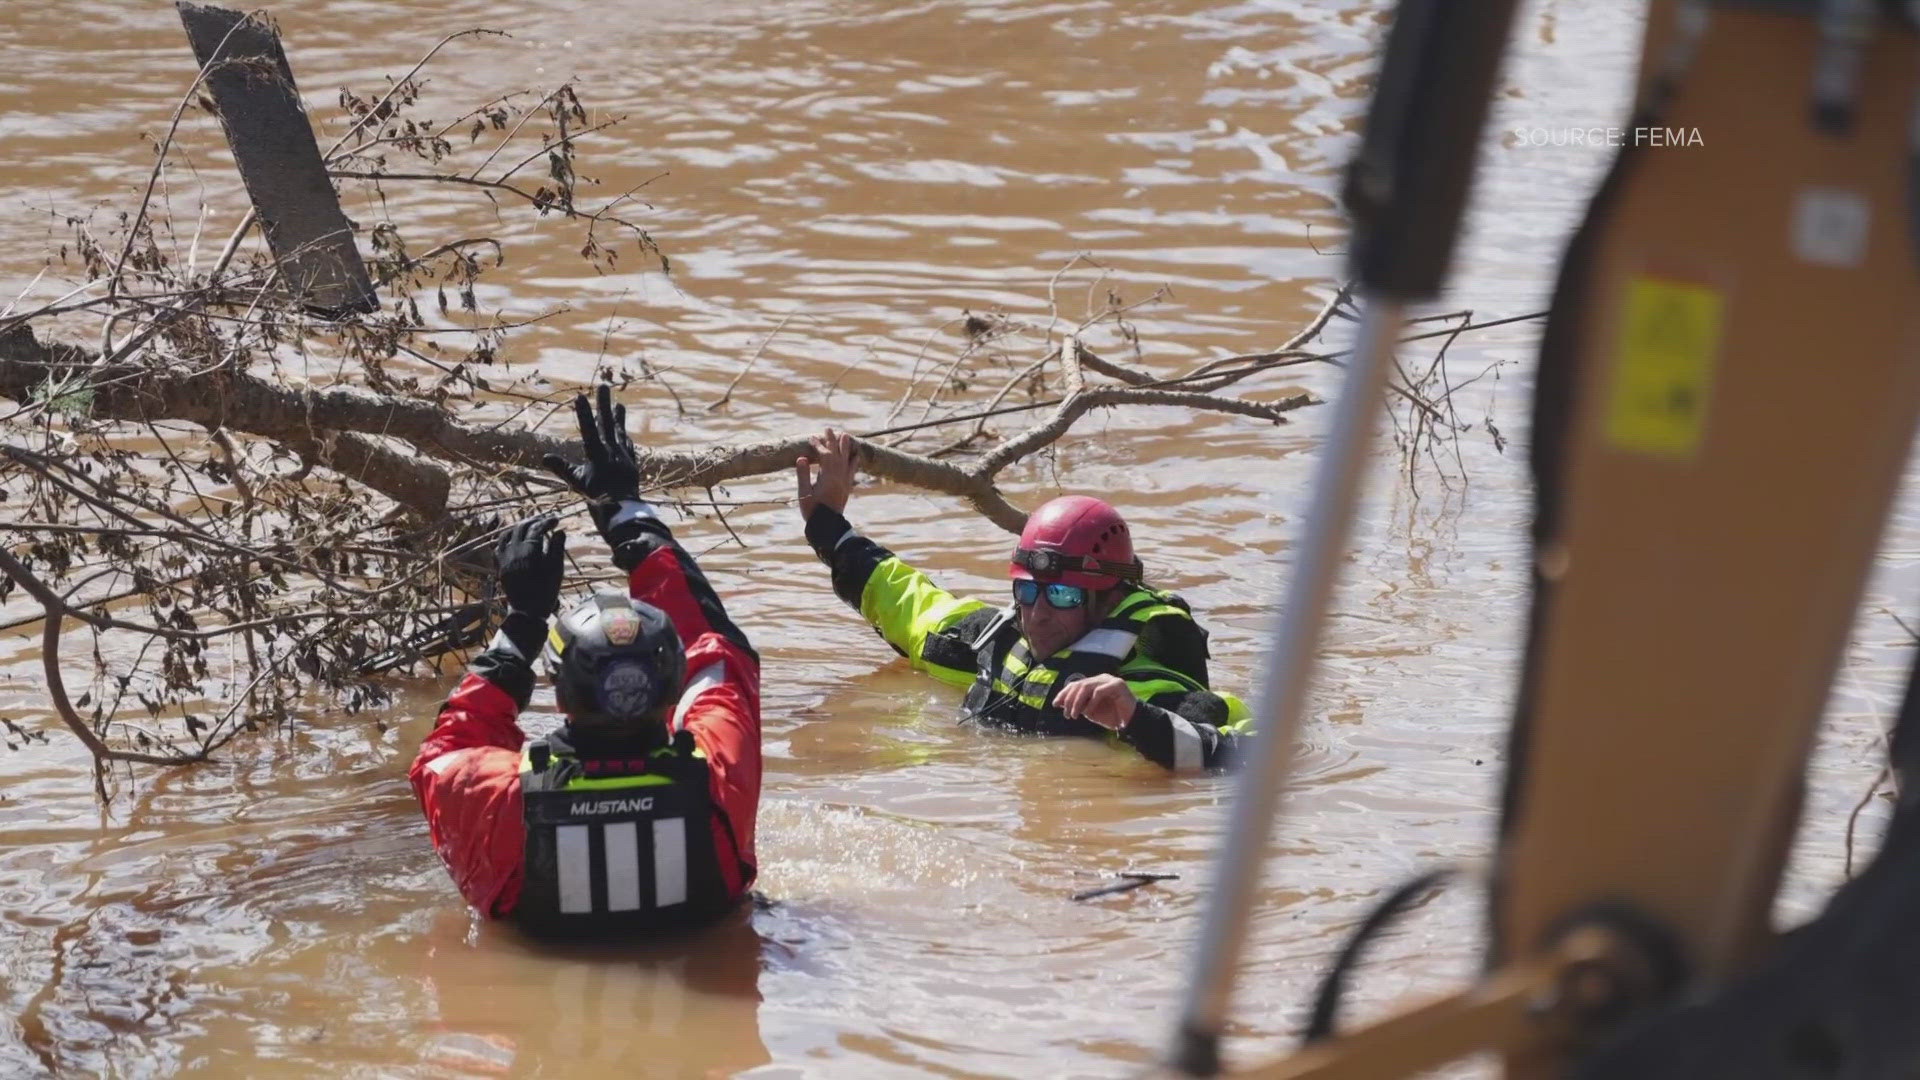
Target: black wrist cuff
[
  {"x": 825, "y": 527},
  {"x": 508, "y": 661},
  {"x": 632, "y": 541},
  {"x": 527, "y": 632}
]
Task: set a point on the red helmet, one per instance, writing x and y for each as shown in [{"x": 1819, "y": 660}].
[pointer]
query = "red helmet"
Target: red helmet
[{"x": 1076, "y": 540}]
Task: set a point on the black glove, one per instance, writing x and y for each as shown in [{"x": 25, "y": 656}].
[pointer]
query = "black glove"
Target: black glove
[
  {"x": 532, "y": 558},
  {"x": 611, "y": 474}
]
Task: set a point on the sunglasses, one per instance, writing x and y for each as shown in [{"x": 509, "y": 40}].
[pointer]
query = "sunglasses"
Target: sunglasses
[{"x": 1066, "y": 597}]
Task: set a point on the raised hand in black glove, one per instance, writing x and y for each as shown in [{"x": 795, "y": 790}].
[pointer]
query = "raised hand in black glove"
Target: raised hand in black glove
[
  {"x": 611, "y": 474},
  {"x": 532, "y": 558}
]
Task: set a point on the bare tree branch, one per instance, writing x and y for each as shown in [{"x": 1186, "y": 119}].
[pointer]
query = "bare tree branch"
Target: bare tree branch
[
  {"x": 56, "y": 684},
  {"x": 1078, "y": 405},
  {"x": 247, "y": 404}
]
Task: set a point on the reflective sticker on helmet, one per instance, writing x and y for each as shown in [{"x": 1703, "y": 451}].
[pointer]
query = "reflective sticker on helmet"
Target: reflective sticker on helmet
[
  {"x": 627, "y": 689},
  {"x": 621, "y": 626}
]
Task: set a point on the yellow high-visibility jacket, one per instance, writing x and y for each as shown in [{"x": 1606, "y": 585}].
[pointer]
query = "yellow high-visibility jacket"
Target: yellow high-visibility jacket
[{"x": 1149, "y": 639}]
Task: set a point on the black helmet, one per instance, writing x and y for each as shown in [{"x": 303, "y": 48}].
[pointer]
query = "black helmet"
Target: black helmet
[{"x": 613, "y": 660}]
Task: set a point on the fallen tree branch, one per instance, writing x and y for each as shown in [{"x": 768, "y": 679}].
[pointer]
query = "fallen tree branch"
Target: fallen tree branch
[
  {"x": 240, "y": 402},
  {"x": 330, "y": 426}
]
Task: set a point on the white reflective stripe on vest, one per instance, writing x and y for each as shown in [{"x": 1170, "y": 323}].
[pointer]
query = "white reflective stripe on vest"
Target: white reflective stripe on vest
[
  {"x": 1188, "y": 751},
  {"x": 1108, "y": 642},
  {"x": 703, "y": 680},
  {"x": 621, "y": 845},
  {"x": 669, "y": 861},
  {"x": 623, "y": 866},
  {"x": 576, "y": 868}
]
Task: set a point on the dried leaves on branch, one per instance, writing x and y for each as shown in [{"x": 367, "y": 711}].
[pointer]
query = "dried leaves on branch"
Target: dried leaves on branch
[{"x": 221, "y": 503}]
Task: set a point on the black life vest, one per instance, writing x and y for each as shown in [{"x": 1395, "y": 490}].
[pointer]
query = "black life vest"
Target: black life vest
[
  {"x": 624, "y": 845},
  {"x": 1011, "y": 689}
]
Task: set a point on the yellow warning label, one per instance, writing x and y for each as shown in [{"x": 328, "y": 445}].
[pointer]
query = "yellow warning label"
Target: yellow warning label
[{"x": 1664, "y": 367}]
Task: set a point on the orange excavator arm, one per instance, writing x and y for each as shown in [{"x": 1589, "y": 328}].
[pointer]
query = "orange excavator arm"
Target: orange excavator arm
[{"x": 1728, "y": 389}]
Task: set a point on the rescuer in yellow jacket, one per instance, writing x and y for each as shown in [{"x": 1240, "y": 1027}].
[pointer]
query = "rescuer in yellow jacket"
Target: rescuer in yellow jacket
[{"x": 1084, "y": 648}]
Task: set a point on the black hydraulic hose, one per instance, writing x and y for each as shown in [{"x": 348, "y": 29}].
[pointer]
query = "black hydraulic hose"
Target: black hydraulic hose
[{"x": 1333, "y": 985}]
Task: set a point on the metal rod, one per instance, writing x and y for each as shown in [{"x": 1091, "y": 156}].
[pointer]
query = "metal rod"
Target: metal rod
[{"x": 1283, "y": 692}]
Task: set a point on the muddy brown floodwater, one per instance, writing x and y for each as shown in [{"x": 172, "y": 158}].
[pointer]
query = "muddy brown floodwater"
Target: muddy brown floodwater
[{"x": 879, "y": 166}]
